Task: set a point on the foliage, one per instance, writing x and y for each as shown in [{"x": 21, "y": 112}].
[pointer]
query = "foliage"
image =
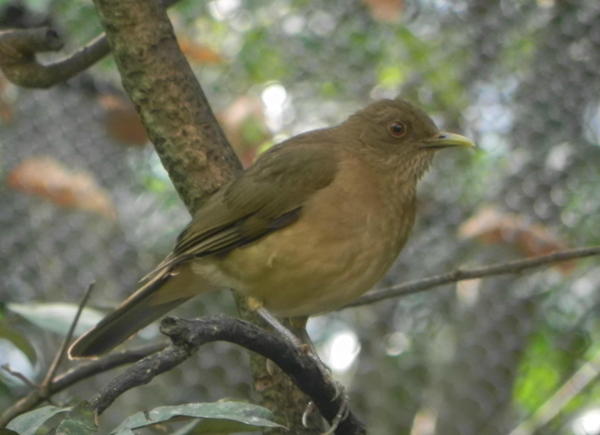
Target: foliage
[{"x": 520, "y": 77}]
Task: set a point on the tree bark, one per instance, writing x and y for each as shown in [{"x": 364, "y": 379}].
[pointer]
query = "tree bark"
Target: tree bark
[{"x": 187, "y": 137}]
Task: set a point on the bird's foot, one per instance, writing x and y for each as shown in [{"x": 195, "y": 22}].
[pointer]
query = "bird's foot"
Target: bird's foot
[
  {"x": 310, "y": 408},
  {"x": 341, "y": 415},
  {"x": 324, "y": 369},
  {"x": 309, "y": 350}
]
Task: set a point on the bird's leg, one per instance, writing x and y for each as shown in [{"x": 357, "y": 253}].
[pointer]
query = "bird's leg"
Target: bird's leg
[
  {"x": 299, "y": 324},
  {"x": 340, "y": 416},
  {"x": 278, "y": 326},
  {"x": 305, "y": 343}
]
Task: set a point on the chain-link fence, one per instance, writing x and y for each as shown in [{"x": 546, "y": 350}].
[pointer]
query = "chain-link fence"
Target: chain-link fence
[{"x": 83, "y": 200}]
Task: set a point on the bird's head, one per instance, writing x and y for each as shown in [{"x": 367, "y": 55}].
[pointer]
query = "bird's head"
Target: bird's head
[{"x": 402, "y": 135}]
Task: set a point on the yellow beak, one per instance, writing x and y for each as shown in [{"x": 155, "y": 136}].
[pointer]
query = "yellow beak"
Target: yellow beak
[{"x": 443, "y": 139}]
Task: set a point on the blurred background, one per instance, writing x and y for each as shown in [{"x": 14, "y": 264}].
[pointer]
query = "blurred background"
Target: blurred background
[{"x": 84, "y": 198}]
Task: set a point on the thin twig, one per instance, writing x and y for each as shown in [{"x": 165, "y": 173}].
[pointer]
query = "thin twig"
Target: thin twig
[
  {"x": 18, "y": 375},
  {"x": 45, "y": 385},
  {"x": 19, "y": 64},
  {"x": 78, "y": 373},
  {"x": 516, "y": 266},
  {"x": 19, "y": 46}
]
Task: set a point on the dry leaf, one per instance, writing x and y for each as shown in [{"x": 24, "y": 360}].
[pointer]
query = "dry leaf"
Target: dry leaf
[
  {"x": 491, "y": 226},
  {"x": 385, "y": 10},
  {"x": 47, "y": 178},
  {"x": 122, "y": 121},
  {"x": 199, "y": 53},
  {"x": 6, "y": 110},
  {"x": 245, "y": 127}
]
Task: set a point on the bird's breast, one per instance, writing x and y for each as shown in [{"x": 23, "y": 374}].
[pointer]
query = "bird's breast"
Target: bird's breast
[{"x": 346, "y": 238}]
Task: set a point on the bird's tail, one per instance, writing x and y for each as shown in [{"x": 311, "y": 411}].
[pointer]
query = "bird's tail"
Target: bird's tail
[{"x": 156, "y": 297}]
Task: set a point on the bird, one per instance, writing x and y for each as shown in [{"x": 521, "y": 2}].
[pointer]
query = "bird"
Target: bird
[{"x": 313, "y": 224}]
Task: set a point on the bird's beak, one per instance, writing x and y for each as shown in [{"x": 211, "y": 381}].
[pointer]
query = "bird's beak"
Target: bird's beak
[{"x": 443, "y": 139}]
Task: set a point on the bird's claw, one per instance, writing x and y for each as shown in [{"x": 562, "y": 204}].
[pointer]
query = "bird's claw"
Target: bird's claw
[
  {"x": 342, "y": 413},
  {"x": 339, "y": 391},
  {"x": 310, "y": 407}
]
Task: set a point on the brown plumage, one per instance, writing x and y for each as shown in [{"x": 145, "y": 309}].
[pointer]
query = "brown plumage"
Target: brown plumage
[{"x": 312, "y": 225}]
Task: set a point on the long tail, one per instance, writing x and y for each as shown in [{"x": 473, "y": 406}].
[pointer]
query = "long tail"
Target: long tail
[{"x": 159, "y": 295}]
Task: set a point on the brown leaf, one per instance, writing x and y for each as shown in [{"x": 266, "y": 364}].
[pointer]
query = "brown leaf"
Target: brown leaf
[
  {"x": 492, "y": 226},
  {"x": 49, "y": 179},
  {"x": 245, "y": 127},
  {"x": 199, "y": 53},
  {"x": 6, "y": 110},
  {"x": 385, "y": 10},
  {"x": 122, "y": 121}
]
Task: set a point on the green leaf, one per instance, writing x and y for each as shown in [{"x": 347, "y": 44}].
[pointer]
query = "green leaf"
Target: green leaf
[
  {"x": 187, "y": 429},
  {"x": 391, "y": 76},
  {"x": 30, "y": 422},
  {"x": 213, "y": 426},
  {"x": 232, "y": 416},
  {"x": 56, "y": 317},
  {"x": 40, "y": 6},
  {"x": 540, "y": 372},
  {"x": 4, "y": 390},
  {"x": 18, "y": 340},
  {"x": 80, "y": 420}
]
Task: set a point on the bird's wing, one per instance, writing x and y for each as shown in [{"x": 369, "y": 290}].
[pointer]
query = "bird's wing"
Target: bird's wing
[{"x": 267, "y": 197}]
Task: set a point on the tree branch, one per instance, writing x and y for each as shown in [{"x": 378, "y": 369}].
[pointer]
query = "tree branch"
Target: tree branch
[
  {"x": 516, "y": 266},
  {"x": 189, "y": 335},
  {"x": 76, "y": 374},
  {"x": 58, "y": 358},
  {"x": 169, "y": 99},
  {"x": 20, "y": 66},
  {"x": 185, "y": 133}
]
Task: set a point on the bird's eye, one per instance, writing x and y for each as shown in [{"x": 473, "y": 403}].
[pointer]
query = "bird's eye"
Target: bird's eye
[{"x": 397, "y": 129}]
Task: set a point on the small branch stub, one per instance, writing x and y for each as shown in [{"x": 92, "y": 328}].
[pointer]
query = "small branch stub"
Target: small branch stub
[
  {"x": 19, "y": 64},
  {"x": 20, "y": 45}
]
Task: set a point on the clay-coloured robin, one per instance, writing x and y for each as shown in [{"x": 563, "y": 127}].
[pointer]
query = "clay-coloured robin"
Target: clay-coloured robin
[{"x": 312, "y": 225}]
